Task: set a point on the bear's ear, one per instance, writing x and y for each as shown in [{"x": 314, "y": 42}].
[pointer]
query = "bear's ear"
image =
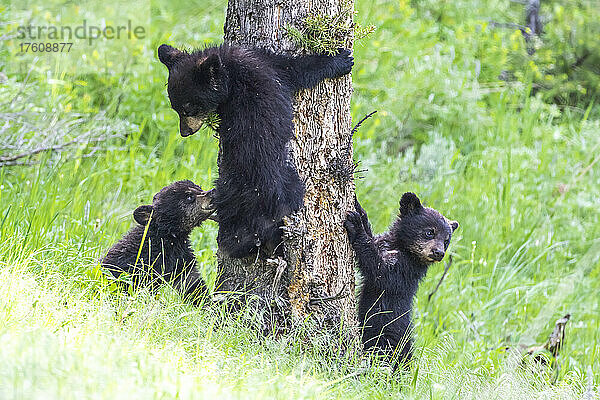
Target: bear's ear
[
  {"x": 142, "y": 214},
  {"x": 454, "y": 225},
  {"x": 168, "y": 55},
  {"x": 409, "y": 203},
  {"x": 209, "y": 68}
]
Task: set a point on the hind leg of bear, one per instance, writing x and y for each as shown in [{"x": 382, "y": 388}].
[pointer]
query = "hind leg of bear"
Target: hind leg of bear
[
  {"x": 397, "y": 353},
  {"x": 237, "y": 243}
]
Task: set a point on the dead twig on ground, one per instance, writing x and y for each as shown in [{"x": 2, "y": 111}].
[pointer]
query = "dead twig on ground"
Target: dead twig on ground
[{"x": 446, "y": 268}]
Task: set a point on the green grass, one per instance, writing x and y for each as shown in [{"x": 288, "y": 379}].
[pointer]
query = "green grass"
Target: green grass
[{"x": 521, "y": 176}]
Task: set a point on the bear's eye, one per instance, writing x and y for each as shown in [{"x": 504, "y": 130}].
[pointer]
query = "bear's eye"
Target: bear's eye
[
  {"x": 429, "y": 234},
  {"x": 190, "y": 199},
  {"x": 187, "y": 109}
]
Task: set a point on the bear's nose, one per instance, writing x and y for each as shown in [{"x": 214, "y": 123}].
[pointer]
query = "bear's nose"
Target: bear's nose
[
  {"x": 185, "y": 132},
  {"x": 437, "y": 255},
  {"x": 208, "y": 205},
  {"x": 210, "y": 193}
]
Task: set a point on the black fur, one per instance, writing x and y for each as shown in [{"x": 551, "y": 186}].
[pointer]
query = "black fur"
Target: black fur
[
  {"x": 251, "y": 90},
  {"x": 165, "y": 255},
  {"x": 392, "y": 265}
]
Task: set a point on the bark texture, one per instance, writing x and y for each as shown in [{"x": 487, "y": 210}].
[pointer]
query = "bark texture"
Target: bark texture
[{"x": 315, "y": 280}]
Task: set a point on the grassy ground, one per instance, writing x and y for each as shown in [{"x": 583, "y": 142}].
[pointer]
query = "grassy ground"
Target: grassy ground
[{"x": 521, "y": 177}]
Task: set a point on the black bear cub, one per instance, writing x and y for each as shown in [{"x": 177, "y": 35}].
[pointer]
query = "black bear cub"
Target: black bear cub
[
  {"x": 251, "y": 91},
  {"x": 165, "y": 254},
  {"x": 392, "y": 264}
]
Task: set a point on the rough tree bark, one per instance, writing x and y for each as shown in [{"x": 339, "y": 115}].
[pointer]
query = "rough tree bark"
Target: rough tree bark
[{"x": 315, "y": 280}]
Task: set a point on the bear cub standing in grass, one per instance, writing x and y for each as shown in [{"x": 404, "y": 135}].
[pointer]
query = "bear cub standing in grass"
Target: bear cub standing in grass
[
  {"x": 392, "y": 265},
  {"x": 165, "y": 254},
  {"x": 251, "y": 91}
]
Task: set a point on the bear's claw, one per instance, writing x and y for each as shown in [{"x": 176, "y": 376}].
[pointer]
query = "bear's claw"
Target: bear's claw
[{"x": 353, "y": 225}]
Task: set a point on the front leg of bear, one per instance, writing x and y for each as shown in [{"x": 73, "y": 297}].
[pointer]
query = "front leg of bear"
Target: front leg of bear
[
  {"x": 368, "y": 258},
  {"x": 305, "y": 72},
  {"x": 363, "y": 215}
]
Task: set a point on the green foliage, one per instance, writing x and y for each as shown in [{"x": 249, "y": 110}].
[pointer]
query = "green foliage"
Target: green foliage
[
  {"x": 212, "y": 122},
  {"x": 327, "y": 33},
  {"x": 519, "y": 174}
]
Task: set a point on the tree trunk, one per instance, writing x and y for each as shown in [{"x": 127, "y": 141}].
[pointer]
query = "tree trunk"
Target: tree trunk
[{"x": 315, "y": 280}]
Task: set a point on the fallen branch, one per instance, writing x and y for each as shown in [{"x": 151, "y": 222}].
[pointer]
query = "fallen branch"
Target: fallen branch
[
  {"x": 554, "y": 342},
  {"x": 36, "y": 162},
  {"x": 17, "y": 159},
  {"x": 58, "y": 147}
]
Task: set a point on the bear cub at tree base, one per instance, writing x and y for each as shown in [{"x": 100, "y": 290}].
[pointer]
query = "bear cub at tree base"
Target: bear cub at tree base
[
  {"x": 251, "y": 91},
  {"x": 392, "y": 264},
  {"x": 166, "y": 254}
]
